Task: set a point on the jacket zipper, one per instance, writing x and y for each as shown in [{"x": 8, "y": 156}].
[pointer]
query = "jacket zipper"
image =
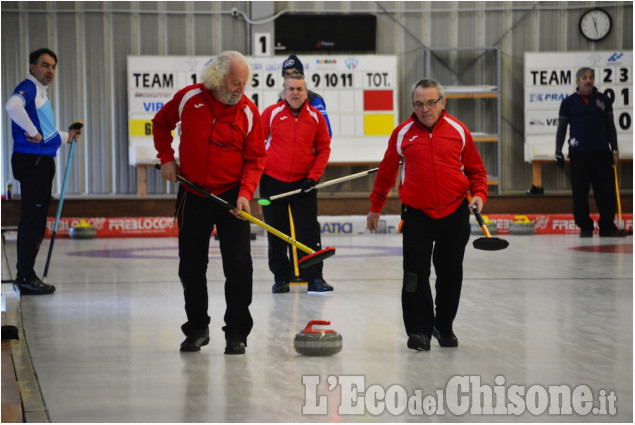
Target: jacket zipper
[
  {"x": 434, "y": 171},
  {"x": 209, "y": 143},
  {"x": 295, "y": 138}
]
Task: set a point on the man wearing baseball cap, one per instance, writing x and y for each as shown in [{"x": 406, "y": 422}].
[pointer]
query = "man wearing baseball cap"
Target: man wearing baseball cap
[{"x": 292, "y": 65}]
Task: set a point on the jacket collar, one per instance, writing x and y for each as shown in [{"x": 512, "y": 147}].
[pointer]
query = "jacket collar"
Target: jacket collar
[
  {"x": 593, "y": 93},
  {"x": 35, "y": 81},
  {"x": 303, "y": 106},
  {"x": 420, "y": 124}
]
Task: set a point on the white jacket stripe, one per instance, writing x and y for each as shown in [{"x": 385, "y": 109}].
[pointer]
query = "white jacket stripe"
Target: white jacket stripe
[
  {"x": 190, "y": 94},
  {"x": 401, "y": 135},
  {"x": 400, "y": 138},
  {"x": 314, "y": 115},
  {"x": 250, "y": 118},
  {"x": 458, "y": 128},
  {"x": 273, "y": 115}
]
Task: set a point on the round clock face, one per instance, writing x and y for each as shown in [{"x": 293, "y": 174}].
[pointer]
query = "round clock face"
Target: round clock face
[{"x": 595, "y": 24}]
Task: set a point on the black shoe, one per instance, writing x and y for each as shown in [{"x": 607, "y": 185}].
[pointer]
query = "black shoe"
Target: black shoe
[
  {"x": 586, "y": 233},
  {"x": 616, "y": 233},
  {"x": 446, "y": 339},
  {"x": 34, "y": 286},
  {"x": 318, "y": 286},
  {"x": 419, "y": 342},
  {"x": 235, "y": 345},
  {"x": 535, "y": 190},
  {"x": 280, "y": 287},
  {"x": 195, "y": 340}
]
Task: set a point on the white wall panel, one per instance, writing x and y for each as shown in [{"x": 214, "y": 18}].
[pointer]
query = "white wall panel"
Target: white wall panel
[{"x": 93, "y": 39}]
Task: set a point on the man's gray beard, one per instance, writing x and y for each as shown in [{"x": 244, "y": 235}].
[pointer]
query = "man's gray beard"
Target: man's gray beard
[
  {"x": 225, "y": 97},
  {"x": 229, "y": 100}
]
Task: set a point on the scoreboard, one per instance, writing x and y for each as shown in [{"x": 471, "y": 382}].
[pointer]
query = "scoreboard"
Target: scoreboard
[
  {"x": 550, "y": 78},
  {"x": 360, "y": 93}
]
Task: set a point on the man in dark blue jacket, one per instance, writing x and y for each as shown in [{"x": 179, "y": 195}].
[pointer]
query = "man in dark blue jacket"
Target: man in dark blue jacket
[{"x": 592, "y": 152}]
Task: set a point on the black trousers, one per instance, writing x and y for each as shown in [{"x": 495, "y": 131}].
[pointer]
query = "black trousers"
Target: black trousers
[
  {"x": 196, "y": 219},
  {"x": 35, "y": 174},
  {"x": 593, "y": 169},
  {"x": 440, "y": 242},
  {"x": 307, "y": 228}
]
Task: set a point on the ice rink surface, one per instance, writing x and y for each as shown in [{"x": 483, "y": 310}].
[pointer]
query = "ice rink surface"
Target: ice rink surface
[{"x": 549, "y": 311}]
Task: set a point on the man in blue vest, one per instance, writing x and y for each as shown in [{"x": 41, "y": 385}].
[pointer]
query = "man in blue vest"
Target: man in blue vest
[{"x": 35, "y": 144}]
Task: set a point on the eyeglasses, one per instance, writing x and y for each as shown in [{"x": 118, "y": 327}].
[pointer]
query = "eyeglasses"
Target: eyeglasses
[{"x": 430, "y": 104}]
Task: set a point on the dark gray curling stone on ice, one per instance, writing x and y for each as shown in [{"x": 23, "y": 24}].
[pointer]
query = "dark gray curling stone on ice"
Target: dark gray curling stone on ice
[{"x": 320, "y": 342}]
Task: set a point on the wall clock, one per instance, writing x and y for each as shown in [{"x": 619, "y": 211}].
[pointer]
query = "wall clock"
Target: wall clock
[{"x": 595, "y": 24}]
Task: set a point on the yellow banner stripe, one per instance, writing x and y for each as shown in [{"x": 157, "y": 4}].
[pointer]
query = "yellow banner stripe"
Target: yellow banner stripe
[
  {"x": 378, "y": 124},
  {"x": 140, "y": 128}
]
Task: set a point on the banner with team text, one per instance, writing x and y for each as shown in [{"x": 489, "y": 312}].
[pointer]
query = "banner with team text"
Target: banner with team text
[{"x": 550, "y": 78}]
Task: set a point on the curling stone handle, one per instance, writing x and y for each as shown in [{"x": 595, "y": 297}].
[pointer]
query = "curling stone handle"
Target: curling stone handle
[
  {"x": 309, "y": 327},
  {"x": 522, "y": 219}
]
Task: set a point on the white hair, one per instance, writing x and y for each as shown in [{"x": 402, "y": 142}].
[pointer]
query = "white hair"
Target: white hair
[{"x": 214, "y": 73}]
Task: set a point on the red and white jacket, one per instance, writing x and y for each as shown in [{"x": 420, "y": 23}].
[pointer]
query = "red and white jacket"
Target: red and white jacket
[
  {"x": 439, "y": 167},
  {"x": 297, "y": 147},
  {"x": 221, "y": 147}
]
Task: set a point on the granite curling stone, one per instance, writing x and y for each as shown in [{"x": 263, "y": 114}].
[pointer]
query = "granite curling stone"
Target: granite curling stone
[{"x": 320, "y": 342}]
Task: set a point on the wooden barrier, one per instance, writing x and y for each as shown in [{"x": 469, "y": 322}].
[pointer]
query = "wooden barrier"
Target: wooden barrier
[
  {"x": 367, "y": 153},
  {"x": 11, "y": 400},
  {"x": 21, "y": 397},
  {"x": 542, "y": 151}
]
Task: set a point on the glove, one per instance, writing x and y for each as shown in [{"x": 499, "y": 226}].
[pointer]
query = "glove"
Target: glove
[
  {"x": 559, "y": 159},
  {"x": 308, "y": 185}
]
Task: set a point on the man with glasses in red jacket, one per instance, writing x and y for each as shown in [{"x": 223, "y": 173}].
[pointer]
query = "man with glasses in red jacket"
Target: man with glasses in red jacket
[{"x": 440, "y": 165}]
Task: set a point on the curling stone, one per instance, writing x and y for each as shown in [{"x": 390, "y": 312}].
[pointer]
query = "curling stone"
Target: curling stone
[
  {"x": 521, "y": 225},
  {"x": 475, "y": 229},
  {"x": 83, "y": 230},
  {"x": 322, "y": 342}
]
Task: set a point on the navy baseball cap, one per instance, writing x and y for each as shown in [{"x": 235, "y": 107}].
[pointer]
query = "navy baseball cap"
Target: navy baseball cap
[{"x": 292, "y": 62}]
